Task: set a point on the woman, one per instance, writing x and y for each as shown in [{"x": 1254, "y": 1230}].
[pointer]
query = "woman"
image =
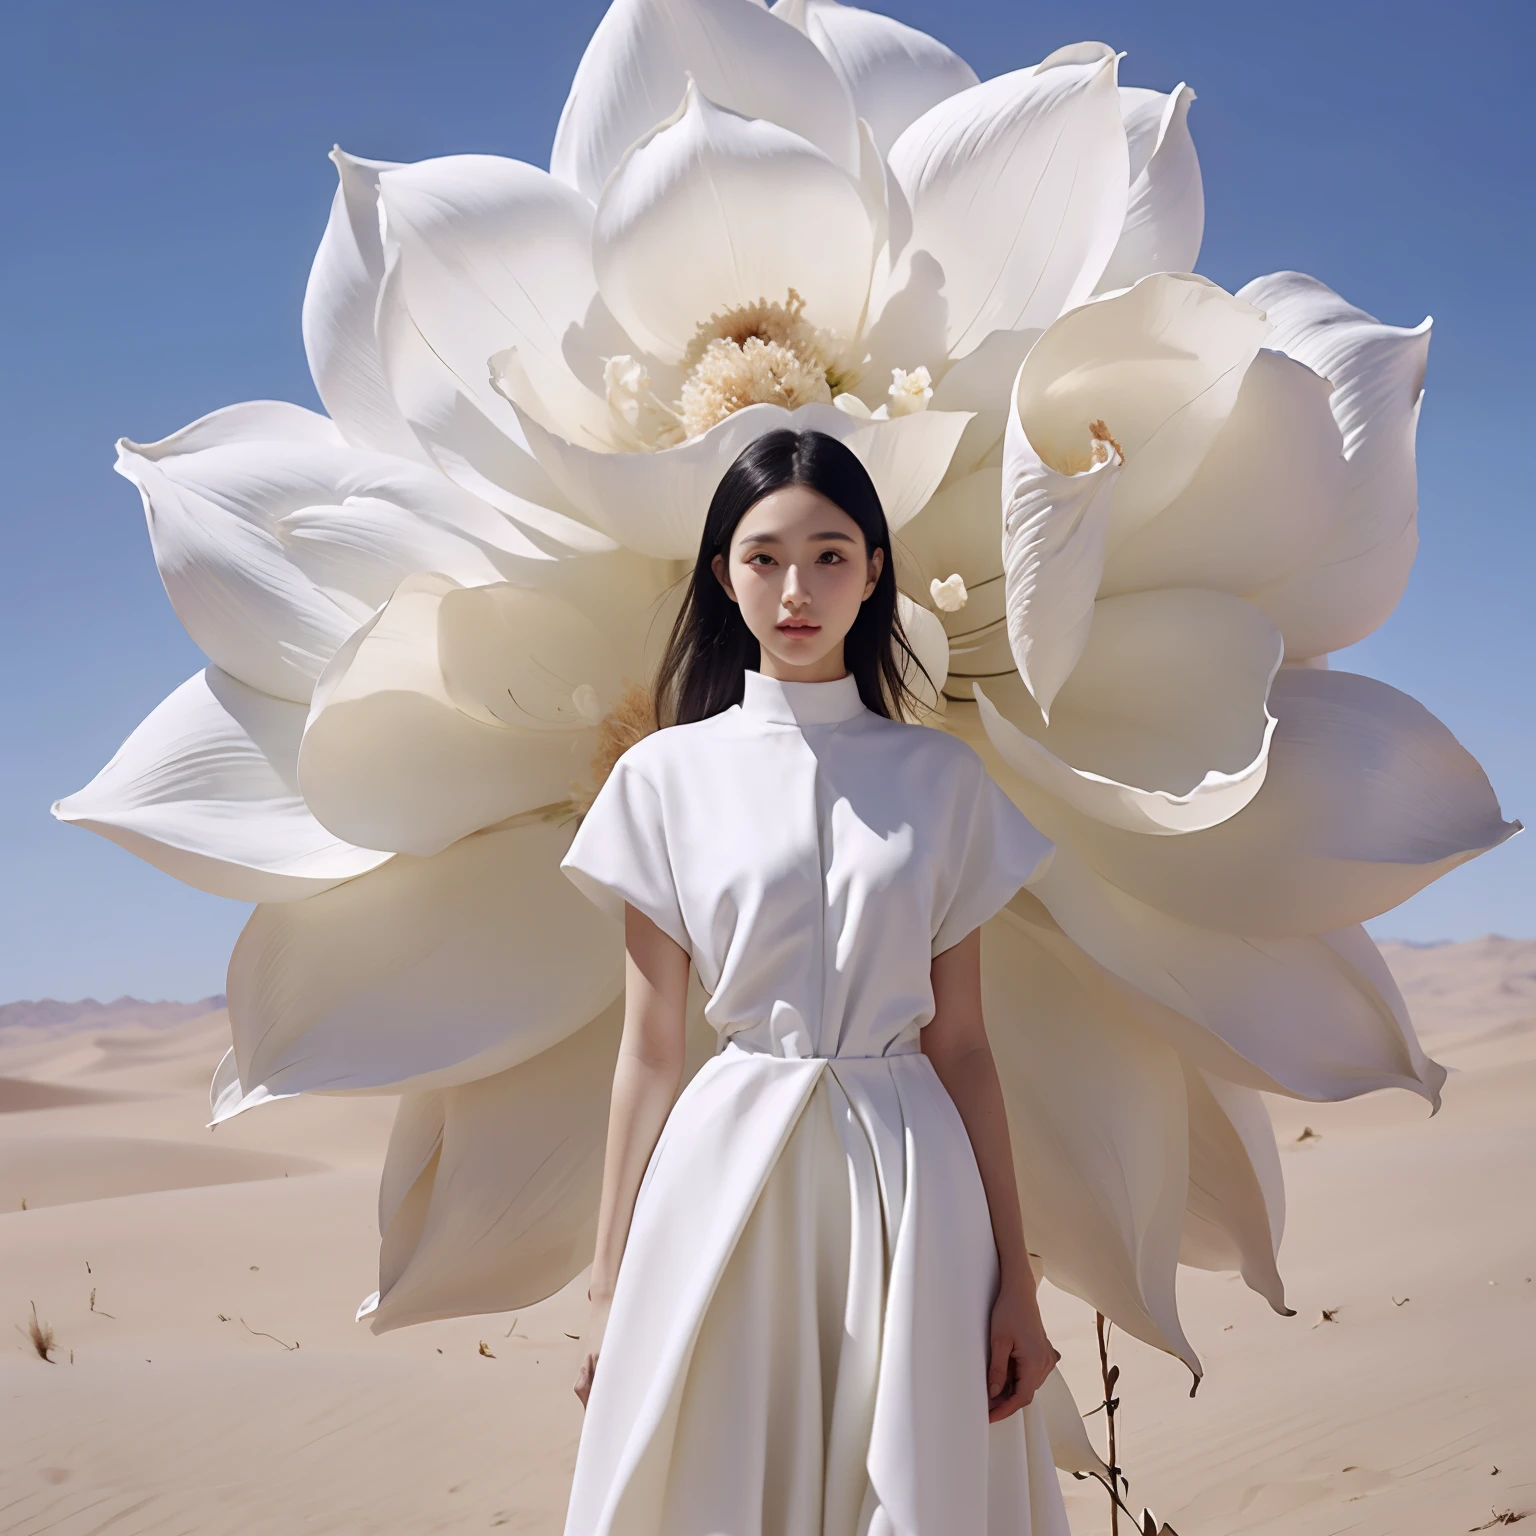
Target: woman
[{"x": 825, "y": 1321}]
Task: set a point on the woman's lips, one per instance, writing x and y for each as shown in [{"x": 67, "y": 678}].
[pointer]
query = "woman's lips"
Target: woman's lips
[{"x": 794, "y": 628}]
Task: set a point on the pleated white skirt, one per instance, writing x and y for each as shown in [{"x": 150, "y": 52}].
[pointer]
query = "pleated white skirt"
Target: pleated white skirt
[{"x": 798, "y": 1340}]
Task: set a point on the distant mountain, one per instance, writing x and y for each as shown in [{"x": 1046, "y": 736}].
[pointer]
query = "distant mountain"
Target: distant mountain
[
  {"x": 1452, "y": 988},
  {"x": 49, "y": 1013}
]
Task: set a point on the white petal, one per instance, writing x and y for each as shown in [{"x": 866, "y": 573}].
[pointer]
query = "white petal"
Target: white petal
[
  {"x": 1071, "y": 1449},
  {"x": 893, "y": 72},
  {"x": 713, "y": 211},
  {"x": 1353, "y": 581},
  {"x": 982, "y": 382},
  {"x": 451, "y": 710},
  {"x": 1165, "y": 219},
  {"x": 639, "y": 62},
  {"x": 494, "y": 254},
  {"x": 1367, "y": 799},
  {"x": 655, "y": 503},
  {"x": 958, "y": 532},
  {"x": 1288, "y": 1015},
  {"x": 1054, "y": 530},
  {"x": 226, "y": 1098},
  {"x": 1266, "y": 496},
  {"x": 219, "y": 497},
  {"x": 423, "y": 974},
  {"x": 1162, "y": 726},
  {"x": 1017, "y": 190},
  {"x": 340, "y": 304},
  {"x": 1236, "y": 1210},
  {"x": 1160, "y": 366},
  {"x": 487, "y": 457},
  {"x": 207, "y": 790},
  {"x": 1096, "y": 1113}
]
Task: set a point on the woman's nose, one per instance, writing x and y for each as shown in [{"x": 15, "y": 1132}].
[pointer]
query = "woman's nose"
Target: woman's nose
[{"x": 794, "y": 589}]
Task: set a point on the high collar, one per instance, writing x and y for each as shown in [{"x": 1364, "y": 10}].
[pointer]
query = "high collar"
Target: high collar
[{"x": 770, "y": 698}]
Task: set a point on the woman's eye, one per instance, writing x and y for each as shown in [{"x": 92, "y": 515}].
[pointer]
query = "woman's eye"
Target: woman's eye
[
  {"x": 830, "y": 556},
  {"x": 753, "y": 559}
]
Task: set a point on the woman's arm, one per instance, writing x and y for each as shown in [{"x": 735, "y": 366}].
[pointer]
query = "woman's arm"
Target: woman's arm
[
  {"x": 955, "y": 1041},
  {"x": 645, "y": 1082}
]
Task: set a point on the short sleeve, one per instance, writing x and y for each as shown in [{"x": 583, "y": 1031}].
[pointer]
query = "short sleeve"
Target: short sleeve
[
  {"x": 994, "y": 850},
  {"x": 620, "y": 853}
]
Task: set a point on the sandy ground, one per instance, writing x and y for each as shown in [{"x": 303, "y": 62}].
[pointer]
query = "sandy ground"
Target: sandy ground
[{"x": 209, "y": 1378}]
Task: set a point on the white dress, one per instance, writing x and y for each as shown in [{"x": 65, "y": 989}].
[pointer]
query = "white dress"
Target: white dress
[{"x": 797, "y": 1344}]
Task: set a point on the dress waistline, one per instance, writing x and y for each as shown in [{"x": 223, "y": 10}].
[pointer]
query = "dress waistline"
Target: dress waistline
[{"x": 788, "y": 1050}]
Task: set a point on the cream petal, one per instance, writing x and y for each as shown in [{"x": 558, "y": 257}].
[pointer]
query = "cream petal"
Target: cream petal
[
  {"x": 1266, "y": 496},
  {"x": 1353, "y": 581},
  {"x": 423, "y": 974},
  {"x": 1165, "y": 218},
  {"x": 1367, "y": 799},
  {"x": 642, "y": 56},
  {"x": 1017, "y": 191},
  {"x": 226, "y": 1098},
  {"x": 713, "y": 211},
  {"x": 521, "y": 1154},
  {"x": 1054, "y": 530},
  {"x": 490, "y": 1191},
  {"x": 409, "y": 736},
  {"x": 1071, "y": 1449},
  {"x": 655, "y": 503},
  {"x": 1159, "y": 366},
  {"x": 207, "y": 790},
  {"x": 340, "y": 304},
  {"x": 893, "y": 72},
  {"x": 958, "y": 533},
  {"x": 1300, "y": 1018},
  {"x": 982, "y": 382},
  {"x": 1097, "y": 1117},
  {"x": 1236, "y": 1210},
  {"x": 1162, "y": 726},
  {"x": 273, "y": 539}
]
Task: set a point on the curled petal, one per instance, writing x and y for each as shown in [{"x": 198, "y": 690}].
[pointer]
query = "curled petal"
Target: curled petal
[
  {"x": 340, "y": 304},
  {"x": 715, "y": 211},
  {"x": 274, "y": 540},
  {"x": 1157, "y": 368},
  {"x": 1054, "y": 529},
  {"x": 1266, "y": 496},
  {"x": 655, "y": 503},
  {"x": 642, "y": 56},
  {"x": 893, "y": 72},
  {"x": 424, "y": 974},
  {"x": 1162, "y": 727},
  {"x": 1165, "y": 218},
  {"x": 1017, "y": 192},
  {"x": 982, "y": 382},
  {"x": 451, "y": 710},
  {"x": 1367, "y": 799},
  {"x": 1236, "y": 1210},
  {"x": 1097, "y": 1116},
  {"x": 1071, "y": 1449},
  {"x": 1292, "y": 1016},
  {"x": 1356, "y": 576},
  {"x": 207, "y": 790}
]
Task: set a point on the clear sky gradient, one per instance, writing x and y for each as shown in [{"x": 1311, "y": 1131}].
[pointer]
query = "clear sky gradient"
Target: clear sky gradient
[{"x": 166, "y": 183}]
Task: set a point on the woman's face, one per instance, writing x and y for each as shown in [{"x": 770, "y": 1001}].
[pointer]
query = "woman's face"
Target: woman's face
[{"x": 799, "y": 569}]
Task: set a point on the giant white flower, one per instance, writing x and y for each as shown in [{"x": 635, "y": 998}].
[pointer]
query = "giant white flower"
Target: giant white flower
[{"x": 1134, "y": 514}]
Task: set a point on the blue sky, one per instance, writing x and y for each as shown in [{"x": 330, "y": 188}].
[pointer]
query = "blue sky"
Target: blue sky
[{"x": 167, "y": 181}]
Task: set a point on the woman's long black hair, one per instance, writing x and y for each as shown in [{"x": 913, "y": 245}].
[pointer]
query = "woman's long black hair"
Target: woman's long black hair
[{"x": 710, "y": 647}]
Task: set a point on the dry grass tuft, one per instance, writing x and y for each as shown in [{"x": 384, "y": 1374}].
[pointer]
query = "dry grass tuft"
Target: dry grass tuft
[
  {"x": 633, "y": 716},
  {"x": 41, "y": 1335}
]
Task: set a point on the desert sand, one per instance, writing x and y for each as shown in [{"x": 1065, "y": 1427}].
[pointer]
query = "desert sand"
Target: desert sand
[{"x": 207, "y": 1376}]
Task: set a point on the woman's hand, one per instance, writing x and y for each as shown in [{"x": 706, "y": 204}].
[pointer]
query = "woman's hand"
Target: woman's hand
[
  {"x": 591, "y": 1343},
  {"x": 1021, "y": 1355}
]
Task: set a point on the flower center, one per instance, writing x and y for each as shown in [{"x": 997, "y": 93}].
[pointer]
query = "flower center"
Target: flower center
[{"x": 756, "y": 354}]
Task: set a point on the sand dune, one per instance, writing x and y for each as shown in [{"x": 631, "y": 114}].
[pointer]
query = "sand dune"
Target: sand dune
[{"x": 204, "y": 1284}]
